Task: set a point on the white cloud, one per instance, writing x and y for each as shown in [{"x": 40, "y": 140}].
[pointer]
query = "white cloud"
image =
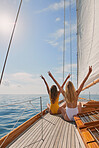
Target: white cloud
[
  {"x": 53, "y": 7},
  {"x": 57, "y": 19},
  {"x": 21, "y": 77},
  {"x": 66, "y": 68},
  {"x": 22, "y": 83},
  {"x": 27, "y": 83},
  {"x": 53, "y": 43},
  {"x": 59, "y": 33},
  {"x": 56, "y": 6},
  {"x": 56, "y": 36}
]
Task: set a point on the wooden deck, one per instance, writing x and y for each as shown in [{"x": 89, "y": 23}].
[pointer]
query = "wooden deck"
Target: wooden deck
[{"x": 49, "y": 132}]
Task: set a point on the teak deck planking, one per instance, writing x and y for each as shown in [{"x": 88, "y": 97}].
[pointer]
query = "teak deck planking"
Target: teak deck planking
[{"x": 57, "y": 133}]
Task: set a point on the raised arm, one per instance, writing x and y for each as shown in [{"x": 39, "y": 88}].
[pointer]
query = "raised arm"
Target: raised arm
[
  {"x": 45, "y": 83},
  {"x": 60, "y": 88},
  {"x": 65, "y": 80},
  {"x": 85, "y": 79}
]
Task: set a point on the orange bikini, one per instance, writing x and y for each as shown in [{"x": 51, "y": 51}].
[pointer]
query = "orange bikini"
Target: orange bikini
[{"x": 54, "y": 107}]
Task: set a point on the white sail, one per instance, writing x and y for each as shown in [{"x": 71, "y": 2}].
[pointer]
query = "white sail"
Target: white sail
[{"x": 88, "y": 38}]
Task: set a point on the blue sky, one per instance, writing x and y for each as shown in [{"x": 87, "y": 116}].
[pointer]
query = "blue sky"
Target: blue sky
[{"x": 37, "y": 45}]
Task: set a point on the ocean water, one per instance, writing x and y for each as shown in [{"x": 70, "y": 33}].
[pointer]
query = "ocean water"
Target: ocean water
[
  {"x": 90, "y": 97},
  {"x": 19, "y": 108}
]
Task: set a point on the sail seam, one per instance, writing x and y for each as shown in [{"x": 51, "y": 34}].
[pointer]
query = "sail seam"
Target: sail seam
[{"x": 92, "y": 35}]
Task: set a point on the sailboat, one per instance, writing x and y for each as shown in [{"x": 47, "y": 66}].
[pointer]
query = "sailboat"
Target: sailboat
[{"x": 45, "y": 130}]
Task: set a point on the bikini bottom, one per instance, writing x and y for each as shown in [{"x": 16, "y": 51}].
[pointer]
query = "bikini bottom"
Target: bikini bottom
[{"x": 71, "y": 112}]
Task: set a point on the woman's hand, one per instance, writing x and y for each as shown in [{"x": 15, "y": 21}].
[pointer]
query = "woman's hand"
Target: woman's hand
[
  {"x": 90, "y": 69},
  {"x": 45, "y": 83},
  {"x": 83, "y": 82},
  {"x": 68, "y": 76},
  {"x": 49, "y": 73},
  {"x": 42, "y": 77}
]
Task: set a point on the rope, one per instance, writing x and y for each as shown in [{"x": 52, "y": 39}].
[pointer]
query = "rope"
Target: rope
[
  {"x": 21, "y": 102},
  {"x": 21, "y": 116},
  {"x": 10, "y": 42},
  {"x": 64, "y": 44},
  {"x": 70, "y": 41},
  {"x": 33, "y": 106},
  {"x": 13, "y": 127},
  {"x": 18, "y": 103}
]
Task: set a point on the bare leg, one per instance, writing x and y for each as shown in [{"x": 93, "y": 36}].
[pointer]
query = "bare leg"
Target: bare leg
[
  {"x": 63, "y": 112},
  {"x": 62, "y": 105},
  {"x": 48, "y": 106},
  {"x": 79, "y": 107}
]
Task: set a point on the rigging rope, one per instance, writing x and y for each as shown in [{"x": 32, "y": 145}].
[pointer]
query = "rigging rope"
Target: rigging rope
[
  {"x": 70, "y": 41},
  {"x": 10, "y": 42},
  {"x": 22, "y": 102},
  {"x": 77, "y": 44},
  {"x": 29, "y": 101},
  {"x": 19, "y": 103},
  {"x": 64, "y": 44},
  {"x": 13, "y": 127}
]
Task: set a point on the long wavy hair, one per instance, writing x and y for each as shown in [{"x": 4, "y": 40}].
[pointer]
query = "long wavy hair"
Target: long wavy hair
[
  {"x": 53, "y": 93},
  {"x": 70, "y": 92}
]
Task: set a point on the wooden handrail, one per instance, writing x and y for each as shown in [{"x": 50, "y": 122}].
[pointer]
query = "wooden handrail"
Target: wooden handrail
[
  {"x": 20, "y": 129},
  {"x": 91, "y": 84}
]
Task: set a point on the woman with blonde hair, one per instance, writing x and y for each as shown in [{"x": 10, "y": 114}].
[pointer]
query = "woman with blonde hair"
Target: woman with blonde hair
[
  {"x": 54, "y": 94},
  {"x": 71, "y": 97}
]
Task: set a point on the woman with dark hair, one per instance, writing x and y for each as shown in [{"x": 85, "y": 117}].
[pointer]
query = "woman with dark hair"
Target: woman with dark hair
[{"x": 54, "y": 94}]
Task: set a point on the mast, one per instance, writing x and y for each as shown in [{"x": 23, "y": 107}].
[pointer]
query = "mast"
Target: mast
[
  {"x": 64, "y": 44},
  {"x": 77, "y": 41},
  {"x": 70, "y": 40},
  {"x": 9, "y": 45}
]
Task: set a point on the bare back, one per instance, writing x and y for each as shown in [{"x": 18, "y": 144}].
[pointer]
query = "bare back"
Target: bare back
[{"x": 74, "y": 103}]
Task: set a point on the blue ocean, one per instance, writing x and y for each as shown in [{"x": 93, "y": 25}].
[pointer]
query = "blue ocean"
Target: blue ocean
[{"x": 16, "y": 109}]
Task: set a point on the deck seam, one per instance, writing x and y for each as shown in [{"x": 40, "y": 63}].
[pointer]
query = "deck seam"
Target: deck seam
[
  {"x": 36, "y": 137},
  {"x": 53, "y": 119},
  {"x": 28, "y": 133},
  {"x": 58, "y": 135},
  {"x": 58, "y": 125},
  {"x": 49, "y": 133}
]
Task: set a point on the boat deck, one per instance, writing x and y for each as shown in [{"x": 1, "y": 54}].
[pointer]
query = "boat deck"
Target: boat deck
[{"x": 52, "y": 131}]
